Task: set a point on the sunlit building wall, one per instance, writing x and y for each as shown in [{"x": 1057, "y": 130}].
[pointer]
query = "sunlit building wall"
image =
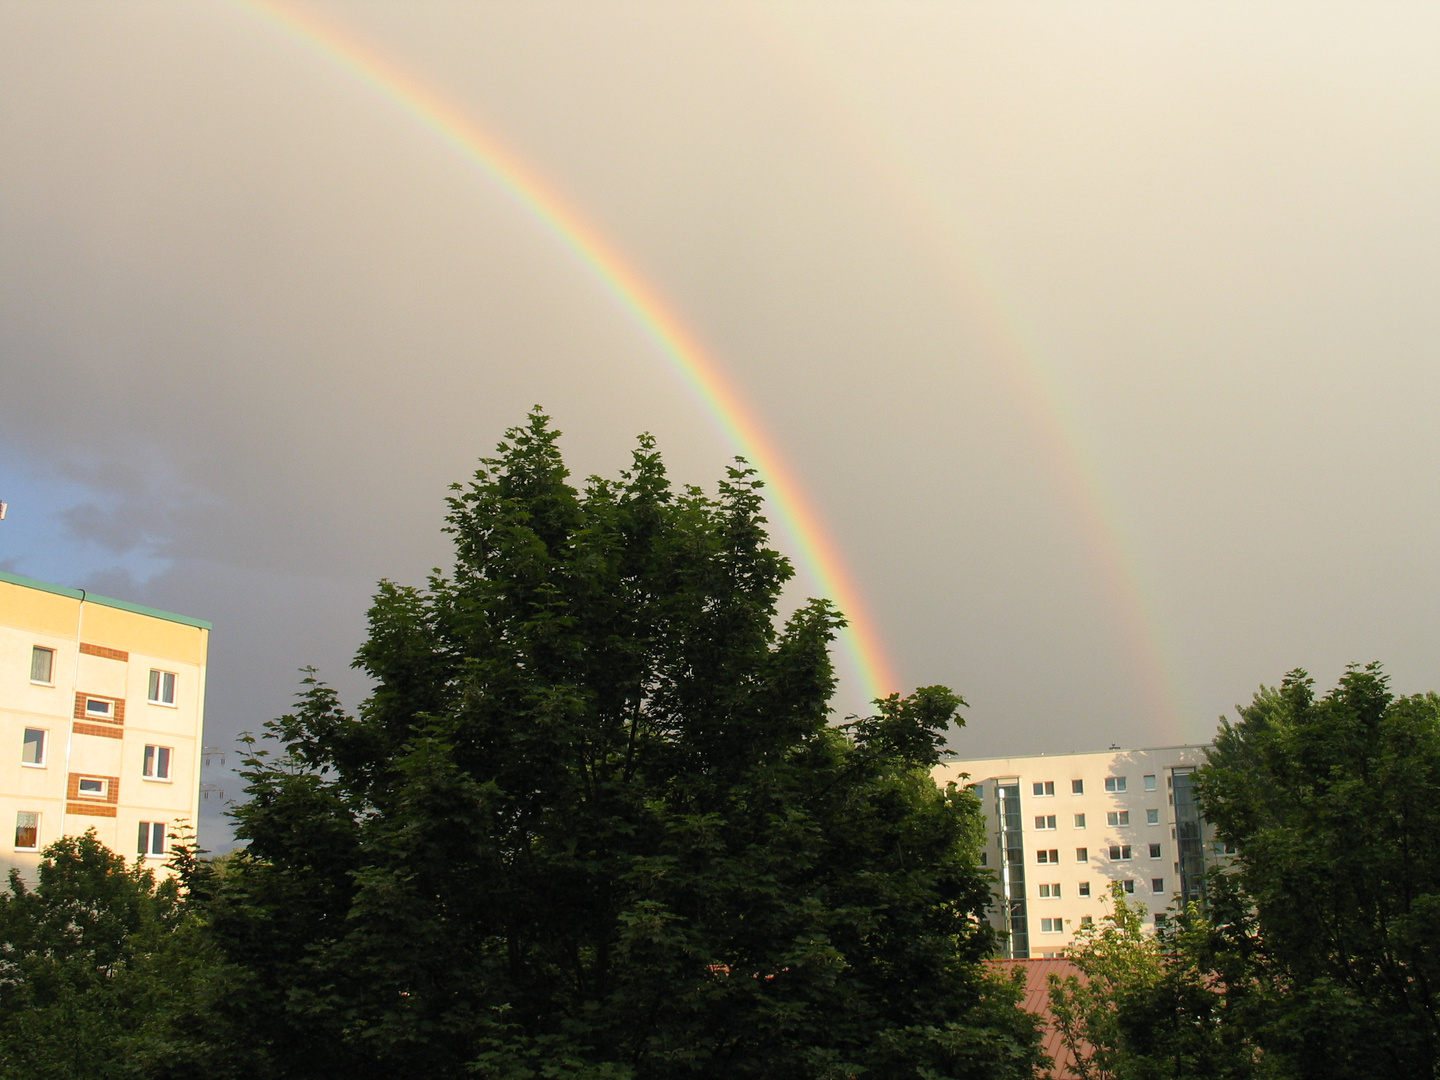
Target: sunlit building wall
[
  {"x": 1062, "y": 827},
  {"x": 101, "y": 710}
]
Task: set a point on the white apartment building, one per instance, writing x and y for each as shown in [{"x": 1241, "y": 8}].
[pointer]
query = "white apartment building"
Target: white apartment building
[
  {"x": 101, "y": 708},
  {"x": 1062, "y": 827}
]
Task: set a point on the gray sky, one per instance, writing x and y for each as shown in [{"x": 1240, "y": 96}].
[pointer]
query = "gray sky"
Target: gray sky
[{"x": 1102, "y": 336}]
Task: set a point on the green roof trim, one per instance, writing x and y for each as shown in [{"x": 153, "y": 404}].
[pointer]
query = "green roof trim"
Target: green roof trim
[{"x": 106, "y": 601}]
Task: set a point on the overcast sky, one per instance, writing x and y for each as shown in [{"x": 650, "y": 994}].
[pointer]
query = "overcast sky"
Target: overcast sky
[{"x": 1102, "y": 336}]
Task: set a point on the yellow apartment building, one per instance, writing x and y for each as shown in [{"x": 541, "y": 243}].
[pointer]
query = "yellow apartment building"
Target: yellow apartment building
[{"x": 102, "y": 706}]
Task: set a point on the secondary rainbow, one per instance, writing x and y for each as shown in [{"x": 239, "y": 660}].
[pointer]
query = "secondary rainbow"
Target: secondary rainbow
[{"x": 817, "y": 553}]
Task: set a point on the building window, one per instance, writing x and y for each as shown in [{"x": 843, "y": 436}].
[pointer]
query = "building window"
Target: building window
[
  {"x": 1118, "y": 817},
  {"x": 92, "y": 787},
  {"x": 1086, "y": 920},
  {"x": 1084, "y": 888},
  {"x": 32, "y": 750},
  {"x": 1082, "y": 854},
  {"x": 1152, "y": 817},
  {"x": 1119, "y": 852},
  {"x": 99, "y": 708},
  {"x": 1050, "y": 892},
  {"x": 1224, "y": 847},
  {"x": 1157, "y": 884},
  {"x": 157, "y": 763},
  {"x": 1077, "y": 787},
  {"x": 1129, "y": 885},
  {"x": 152, "y": 838},
  {"x": 27, "y": 831},
  {"x": 162, "y": 687},
  {"x": 1052, "y": 926},
  {"x": 1161, "y": 920},
  {"x": 1079, "y": 821},
  {"x": 42, "y": 665},
  {"x": 1114, "y": 783},
  {"x": 1043, "y": 822},
  {"x": 1154, "y": 851},
  {"x": 1149, "y": 783},
  {"x": 983, "y": 860},
  {"x": 1051, "y": 856},
  {"x": 1044, "y": 787}
]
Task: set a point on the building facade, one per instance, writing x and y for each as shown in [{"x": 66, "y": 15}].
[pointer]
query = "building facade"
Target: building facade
[
  {"x": 1062, "y": 827},
  {"x": 102, "y": 705}
]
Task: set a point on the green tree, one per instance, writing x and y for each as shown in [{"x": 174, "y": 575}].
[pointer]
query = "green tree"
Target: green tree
[
  {"x": 1333, "y": 804},
  {"x": 592, "y": 821}
]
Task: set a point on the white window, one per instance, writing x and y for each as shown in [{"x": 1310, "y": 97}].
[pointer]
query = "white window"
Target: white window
[
  {"x": 1119, "y": 852},
  {"x": 1087, "y": 920},
  {"x": 152, "y": 838},
  {"x": 1044, "y": 787},
  {"x": 92, "y": 787},
  {"x": 1114, "y": 783},
  {"x": 1082, "y": 854},
  {"x": 27, "y": 831},
  {"x": 1052, "y": 926},
  {"x": 1118, "y": 817},
  {"x": 1084, "y": 888},
  {"x": 1129, "y": 885},
  {"x": 1154, "y": 851},
  {"x": 42, "y": 665},
  {"x": 162, "y": 687},
  {"x": 1157, "y": 884},
  {"x": 1149, "y": 783},
  {"x": 1152, "y": 817},
  {"x": 1043, "y": 821},
  {"x": 99, "y": 708},
  {"x": 1079, "y": 821},
  {"x": 1050, "y": 892},
  {"x": 1077, "y": 787},
  {"x": 157, "y": 763},
  {"x": 32, "y": 750},
  {"x": 1051, "y": 856}
]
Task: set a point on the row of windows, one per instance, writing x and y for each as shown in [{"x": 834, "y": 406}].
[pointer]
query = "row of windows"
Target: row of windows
[
  {"x": 1046, "y": 822},
  {"x": 154, "y": 765},
  {"x": 152, "y": 837},
  {"x": 1051, "y": 890},
  {"x": 1057, "y": 926},
  {"x": 1116, "y": 852},
  {"x": 42, "y": 670},
  {"x": 1113, "y": 784}
]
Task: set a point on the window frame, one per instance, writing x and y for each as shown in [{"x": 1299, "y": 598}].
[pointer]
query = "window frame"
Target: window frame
[
  {"x": 1083, "y": 888},
  {"x": 147, "y": 761},
  {"x": 1115, "y": 785},
  {"x": 1149, "y": 782},
  {"x": 107, "y": 716},
  {"x": 1117, "y": 819},
  {"x": 148, "y": 832},
  {"x": 1042, "y": 789},
  {"x": 44, "y": 748},
  {"x": 1126, "y": 853},
  {"x": 103, "y": 795},
  {"x": 156, "y": 685},
  {"x": 1156, "y": 852},
  {"x": 36, "y": 845},
  {"x": 1077, "y": 787},
  {"x": 1045, "y": 823},
  {"x": 34, "y": 651},
  {"x": 1157, "y": 885}
]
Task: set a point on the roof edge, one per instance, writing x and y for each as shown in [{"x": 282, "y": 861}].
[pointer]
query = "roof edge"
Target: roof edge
[{"x": 104, "y": 601}]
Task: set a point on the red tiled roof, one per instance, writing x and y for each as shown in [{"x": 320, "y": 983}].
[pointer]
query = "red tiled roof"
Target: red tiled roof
[{"x": 1036, "y": 1000}]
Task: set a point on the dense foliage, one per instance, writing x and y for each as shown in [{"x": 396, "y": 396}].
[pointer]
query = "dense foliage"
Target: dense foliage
[{"x": 593, "y": 821}]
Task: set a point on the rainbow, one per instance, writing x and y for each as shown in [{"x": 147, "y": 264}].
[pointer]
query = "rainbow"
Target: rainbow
[{"x": 818, "y": 555}]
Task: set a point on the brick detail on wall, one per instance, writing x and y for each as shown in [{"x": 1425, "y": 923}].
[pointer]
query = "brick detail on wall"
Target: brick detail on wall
[
  {"x": 112, "y": 790},
  {"x": 90, "y": 809},
  {"x": 105, "y": 651},
  {"x": 108, "y": 731},
  {"x": 118, "y": 716}
]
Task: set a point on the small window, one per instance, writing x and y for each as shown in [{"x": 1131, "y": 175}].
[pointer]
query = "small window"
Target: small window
[
  {"x": 42, "y": 665},
  {"x": 1082, "y": 854},
  {"x": 1086, "y": 920},
  {"x": 27, "y": 831},
  {"x": 1149, "y": 783},
  {"x": 99, "y": 707},
  {"x": 1157, "y": 884},
  {"x": 152, "y": 838},
  {"x": 1043, "y": 821},
  {"x": 1119, "y": 852},
  {"x": 90, "y": 787},
  {"x": 1129, "y": 885},
  {"x": 1044, "y": 787},
  {"x": 1079, "y": 821},
  {"x": 1077, "y": 787},
  {"x": 1115, "y": 783},
  {"x": 156, "y": 765},
  {"x": 1154, "y": 851},
  {"x": 1052, "y": 926},
  {"x": 1118, "y": 817},
  {"x": 162, "y": 687},
  {"x": 32, "y": 750},
  {"x": 1084, "y": 888},
  {"x": 1152, "y": 817}
]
